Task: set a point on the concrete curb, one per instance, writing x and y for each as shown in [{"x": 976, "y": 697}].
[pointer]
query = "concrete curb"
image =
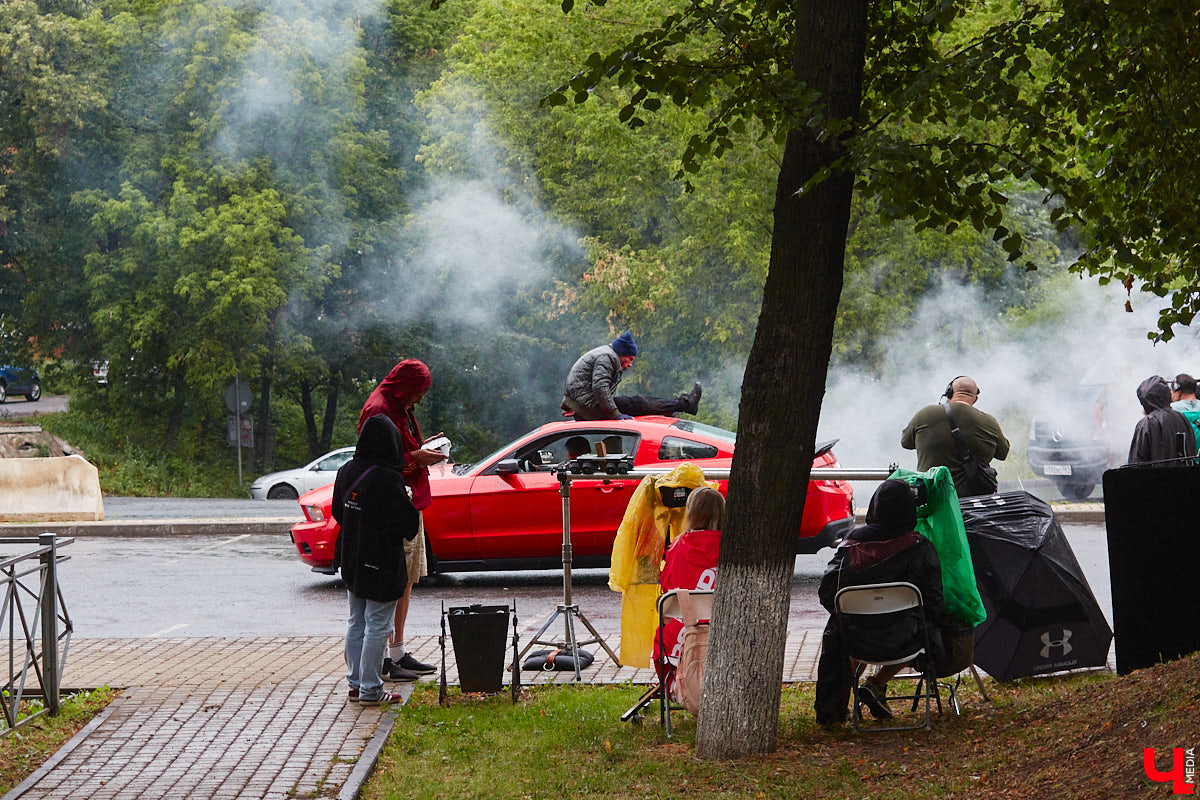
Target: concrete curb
[
  {"x": 193, "y": 527},
  {"x": 370, "y": 755}
]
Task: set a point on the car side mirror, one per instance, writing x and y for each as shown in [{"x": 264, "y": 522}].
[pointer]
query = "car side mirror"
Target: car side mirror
[{"x": 507, "y": 466}]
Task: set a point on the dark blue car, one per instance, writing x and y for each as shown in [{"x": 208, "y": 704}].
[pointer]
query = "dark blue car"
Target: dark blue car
[{"x": 20, "y": 380}]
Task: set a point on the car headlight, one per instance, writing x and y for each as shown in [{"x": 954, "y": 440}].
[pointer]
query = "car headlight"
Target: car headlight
[{"x": 314, "y": 514}]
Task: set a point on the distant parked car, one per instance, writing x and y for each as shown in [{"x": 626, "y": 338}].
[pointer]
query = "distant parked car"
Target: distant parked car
[
  {"x": 20, "y": 380},
  {"x": 291, "y": 483},
  {"x": 100, "y": 372},
  {"x": 505, "y": 512},
  {"x": 1068, "y": 445}
]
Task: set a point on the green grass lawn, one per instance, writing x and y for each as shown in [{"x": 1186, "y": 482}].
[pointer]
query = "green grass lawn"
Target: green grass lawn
[
  {"x": 25, "y": 749},
  {"x": 1080, "y": 736}
]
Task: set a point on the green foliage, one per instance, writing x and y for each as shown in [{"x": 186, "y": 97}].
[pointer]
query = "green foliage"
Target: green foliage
[
  {"x": 130, "y": 464},
  {"x": 1124, "y": 84},
  {"x": 194, "y": 188}
]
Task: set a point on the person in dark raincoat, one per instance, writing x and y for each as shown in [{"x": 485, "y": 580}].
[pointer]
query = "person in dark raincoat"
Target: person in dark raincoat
[
  {"x": 370, "y": 502},
  {"x": 1156, "y": 436},
  {"x": 395, "y": 397},
  {"x": 886, "y": 549}
]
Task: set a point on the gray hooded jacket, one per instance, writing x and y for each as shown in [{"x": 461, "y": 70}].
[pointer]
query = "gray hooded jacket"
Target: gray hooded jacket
[{"x": 592, "y": 383}]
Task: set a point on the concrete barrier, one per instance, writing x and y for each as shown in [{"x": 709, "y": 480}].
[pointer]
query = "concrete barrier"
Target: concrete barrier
[{"x": 63, "y": 489}]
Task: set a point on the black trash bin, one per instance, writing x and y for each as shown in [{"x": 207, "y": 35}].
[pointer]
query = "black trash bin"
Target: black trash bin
[{"x": 479, "y": 634}]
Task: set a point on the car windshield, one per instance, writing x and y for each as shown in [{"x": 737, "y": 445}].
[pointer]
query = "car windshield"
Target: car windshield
[
  {"x": 689, "y": 426},
  {"x": 486, "y": 459}
]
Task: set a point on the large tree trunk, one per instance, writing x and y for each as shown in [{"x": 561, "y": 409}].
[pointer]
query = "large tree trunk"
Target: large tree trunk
[
  {"x": 332, "y": 395},
  {"x": 310, "y": 419},
  {"x": 781, "y": 401}
]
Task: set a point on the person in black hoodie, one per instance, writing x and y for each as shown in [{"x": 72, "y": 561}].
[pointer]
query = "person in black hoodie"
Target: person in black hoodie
[
  {"x": 885, "y": 549},
  {"x": 371, "y": 503},
  {"x": 1157, "y": 435}
]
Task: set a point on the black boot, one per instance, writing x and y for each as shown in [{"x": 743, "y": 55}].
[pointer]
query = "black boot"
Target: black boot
[{"x": 689, "y": 403}]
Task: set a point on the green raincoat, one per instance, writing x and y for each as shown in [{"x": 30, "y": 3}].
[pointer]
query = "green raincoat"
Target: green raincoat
[{"x": 940, "y": 521}]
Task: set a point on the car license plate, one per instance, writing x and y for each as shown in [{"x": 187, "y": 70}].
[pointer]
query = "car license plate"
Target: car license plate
[{"x": 1057, "y": 469}]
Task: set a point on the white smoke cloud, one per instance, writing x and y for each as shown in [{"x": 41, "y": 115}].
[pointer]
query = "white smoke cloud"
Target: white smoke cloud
[
  {"x": 476, "y": 247},
  {"x": 1022, "y": 370}
]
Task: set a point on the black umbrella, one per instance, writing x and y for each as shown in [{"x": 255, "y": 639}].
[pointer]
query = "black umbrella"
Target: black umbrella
[{"x": 1041, "y": 614}]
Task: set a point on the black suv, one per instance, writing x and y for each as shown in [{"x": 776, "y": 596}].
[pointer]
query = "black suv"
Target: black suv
[{"x": 1066, "y": 445}]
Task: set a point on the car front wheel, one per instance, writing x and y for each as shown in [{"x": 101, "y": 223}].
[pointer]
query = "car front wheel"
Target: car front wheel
[
  {"x": 282, "y": 492},
  {"x": 1077, "y": 492},
  {"x": 3, "y": 392},
  {"x": 35, "y": 392}
]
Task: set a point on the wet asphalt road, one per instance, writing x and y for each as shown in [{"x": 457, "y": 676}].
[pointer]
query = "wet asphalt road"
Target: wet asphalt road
[
  {"x": 255, "y": 586},
  {"x": 192, "y": 508},
  {"x": 20, "y": 408}
]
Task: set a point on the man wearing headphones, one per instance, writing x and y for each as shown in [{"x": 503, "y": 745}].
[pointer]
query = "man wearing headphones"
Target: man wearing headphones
[{"x": 930, "y": 433}]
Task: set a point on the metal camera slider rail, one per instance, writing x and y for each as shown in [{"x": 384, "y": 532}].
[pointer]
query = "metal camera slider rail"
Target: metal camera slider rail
[{"x": 607, "y": 467}]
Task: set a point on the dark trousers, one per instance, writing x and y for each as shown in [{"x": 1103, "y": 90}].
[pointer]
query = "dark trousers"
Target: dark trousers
[{"x": 641, "y": 405}]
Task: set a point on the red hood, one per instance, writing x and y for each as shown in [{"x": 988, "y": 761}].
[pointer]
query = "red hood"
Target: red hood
[
  {"x": 405, "y": 382},
  {"x": 396, "y": 394}
]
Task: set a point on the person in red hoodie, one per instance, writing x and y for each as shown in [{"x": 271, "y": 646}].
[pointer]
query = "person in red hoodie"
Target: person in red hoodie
[
  {"x": 691, "y": 561},
  {"x": 395, "y": 397}
]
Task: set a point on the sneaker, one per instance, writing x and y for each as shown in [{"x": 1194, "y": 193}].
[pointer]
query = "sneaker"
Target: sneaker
[
  {"x": 399, "y": 674},
  {"x": 385, "y": 699},
  {"x": 412, "y": 665},
  {"x": 353, "y": 696},
  {"x": 875, "y": 699}
]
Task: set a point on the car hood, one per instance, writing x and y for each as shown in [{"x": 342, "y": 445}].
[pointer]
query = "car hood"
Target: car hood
[{"x": 321, "y": 496}]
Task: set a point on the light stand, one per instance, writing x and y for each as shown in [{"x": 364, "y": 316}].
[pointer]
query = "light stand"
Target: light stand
[{"x": 568, "y": 610}]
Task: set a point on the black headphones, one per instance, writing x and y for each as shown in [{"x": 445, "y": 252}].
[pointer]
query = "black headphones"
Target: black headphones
[{"x": 950, "y": 387}]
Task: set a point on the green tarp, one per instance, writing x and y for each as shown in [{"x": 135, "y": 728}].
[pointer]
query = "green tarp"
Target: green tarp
[{"x": 940, "y": 521}]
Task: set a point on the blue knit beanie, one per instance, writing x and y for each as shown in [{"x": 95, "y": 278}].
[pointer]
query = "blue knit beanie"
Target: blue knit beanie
[{"x": 624, "y": 345}]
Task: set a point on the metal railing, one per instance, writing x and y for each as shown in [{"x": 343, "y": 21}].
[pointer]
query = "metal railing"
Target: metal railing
[{"x": 35, "y": 617}]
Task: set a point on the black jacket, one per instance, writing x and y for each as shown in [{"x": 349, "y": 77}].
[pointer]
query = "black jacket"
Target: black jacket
[
  {"x": 376, "y": 515},
  {"x": 1155, "y": 437},
  {"x": 888, "y": 549}
]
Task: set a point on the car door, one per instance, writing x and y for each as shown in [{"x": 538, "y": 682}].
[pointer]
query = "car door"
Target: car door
[
  {"x": 518, "y": 514},
  {"x": 324, "y": 472}
]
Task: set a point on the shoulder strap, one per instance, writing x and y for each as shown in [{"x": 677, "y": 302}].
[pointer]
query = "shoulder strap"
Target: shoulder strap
[
  {"x": 964, "y": 452},
  {"x": 358, "y": 480}
]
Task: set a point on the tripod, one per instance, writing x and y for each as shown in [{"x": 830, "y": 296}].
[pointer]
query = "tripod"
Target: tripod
[{"x": 568, "y": 610}]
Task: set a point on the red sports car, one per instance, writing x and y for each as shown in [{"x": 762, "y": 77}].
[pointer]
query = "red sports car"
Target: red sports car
[{"x": 505, "y": 511}]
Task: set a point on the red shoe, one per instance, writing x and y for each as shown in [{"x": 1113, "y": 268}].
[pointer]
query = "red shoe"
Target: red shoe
[{"x": 385, "y": 699}]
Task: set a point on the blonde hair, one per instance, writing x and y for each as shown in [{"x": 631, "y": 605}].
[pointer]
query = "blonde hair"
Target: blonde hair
[{"x": 705, "y": 510}]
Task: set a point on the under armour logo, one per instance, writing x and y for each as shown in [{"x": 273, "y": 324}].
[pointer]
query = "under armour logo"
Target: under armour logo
[{"x": 1064, "y": 643}]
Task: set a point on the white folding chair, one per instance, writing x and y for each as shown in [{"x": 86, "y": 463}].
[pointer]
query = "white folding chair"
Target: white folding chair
[
  {"x": 861, "y": 610},
  {"x": 669, "y": 609}
]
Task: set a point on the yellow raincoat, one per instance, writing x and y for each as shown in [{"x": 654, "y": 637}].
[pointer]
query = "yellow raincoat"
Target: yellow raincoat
[{"x": 637, "y": 558}]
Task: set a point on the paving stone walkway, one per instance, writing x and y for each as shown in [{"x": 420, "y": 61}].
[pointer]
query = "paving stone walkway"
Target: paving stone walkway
[{"x": 252, "y": 718}]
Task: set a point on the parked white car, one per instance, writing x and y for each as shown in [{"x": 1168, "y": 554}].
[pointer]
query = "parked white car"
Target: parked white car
[{"x": 291, "y": 483}]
